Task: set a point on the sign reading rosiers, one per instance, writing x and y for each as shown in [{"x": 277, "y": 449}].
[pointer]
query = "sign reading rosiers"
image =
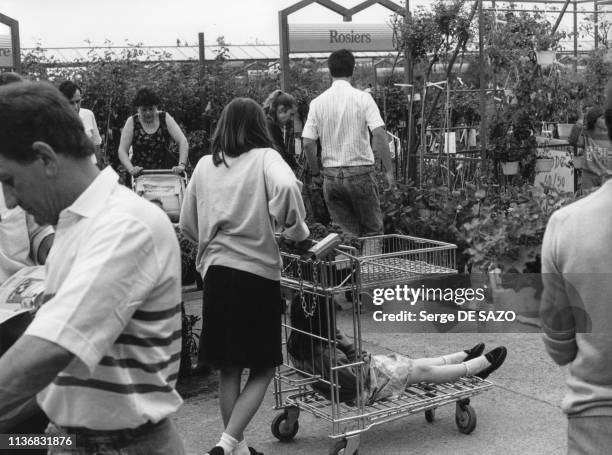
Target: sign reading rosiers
[
  {"x": 6, "y": 52},
  {"x": 331, "y": 37}
]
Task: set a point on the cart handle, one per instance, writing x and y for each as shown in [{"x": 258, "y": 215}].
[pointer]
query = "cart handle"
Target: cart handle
[{"x": 159, "y": 171}]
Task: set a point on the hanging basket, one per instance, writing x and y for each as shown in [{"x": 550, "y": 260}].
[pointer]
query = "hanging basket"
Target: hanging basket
[
  {"x": 546, "y": 58},
  {"x": 510, "y": 167},
  {"x": 564, "y": 130},
  {"x": 544, "y": 164}
]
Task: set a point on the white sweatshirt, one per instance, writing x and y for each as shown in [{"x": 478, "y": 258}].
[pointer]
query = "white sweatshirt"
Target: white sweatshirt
[{"x": 233, "y": 212}]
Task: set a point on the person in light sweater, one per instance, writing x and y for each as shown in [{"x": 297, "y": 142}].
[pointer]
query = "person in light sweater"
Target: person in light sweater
[
  {"x": 236, "y": 200},
  {"x": 575, "y": 311}
]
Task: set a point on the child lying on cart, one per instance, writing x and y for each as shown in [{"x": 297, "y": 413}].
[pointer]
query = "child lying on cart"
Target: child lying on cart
[{"x": 382, "y": 376}]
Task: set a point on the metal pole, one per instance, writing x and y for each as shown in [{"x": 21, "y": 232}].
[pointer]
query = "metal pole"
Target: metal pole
[
  {"x": 283, "y": 35},
  {"x": 202, "y": 54},
  {"x": 16, "y": 48},
  {"x": 423, "y": 144},
  {"x": 575, "y": 36},
  {"x": 447, "y": 133},
  {"x": 596, "y": 23},
  {"x": 483, "y": 100},
  {"x": 561, "y": 13},
  {"x": 408, "y": 172}
]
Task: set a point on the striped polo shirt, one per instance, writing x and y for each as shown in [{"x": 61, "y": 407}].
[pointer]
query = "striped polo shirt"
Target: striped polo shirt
[
  {"x": 340, "y": 117},
  {"x": 113, "y": 290}
]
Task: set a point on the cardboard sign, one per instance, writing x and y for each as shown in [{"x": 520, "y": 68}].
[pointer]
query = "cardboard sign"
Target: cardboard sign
[{"x": 561, "y": 176}]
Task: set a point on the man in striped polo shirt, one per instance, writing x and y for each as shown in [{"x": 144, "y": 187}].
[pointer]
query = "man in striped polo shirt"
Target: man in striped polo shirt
[
  {"x": 340, "y": 117},
  {"x": 102, "y": 353}
]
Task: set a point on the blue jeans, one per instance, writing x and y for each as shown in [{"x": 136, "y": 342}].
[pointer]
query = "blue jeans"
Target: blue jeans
[
  {"x": 150, "y": 439},
  {"x": 352, "y": 199}
]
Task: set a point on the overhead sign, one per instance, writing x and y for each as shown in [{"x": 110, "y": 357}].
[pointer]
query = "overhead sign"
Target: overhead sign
[
  {"x": 6, "y": 51},
  {"x": 331, "y": 37}
]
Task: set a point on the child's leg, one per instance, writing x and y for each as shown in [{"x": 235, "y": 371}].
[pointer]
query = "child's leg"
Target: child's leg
[
  {"x": 455, "y": 357},
  {"x": 248, "y": 401},
  {"x": 447, "y": 359},
  {"x": 229, "y": 391},
  {"x": 424, "y": 371}
]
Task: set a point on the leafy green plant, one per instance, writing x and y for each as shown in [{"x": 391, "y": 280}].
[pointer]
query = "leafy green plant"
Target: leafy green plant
[{"x": 508, "y": 229}]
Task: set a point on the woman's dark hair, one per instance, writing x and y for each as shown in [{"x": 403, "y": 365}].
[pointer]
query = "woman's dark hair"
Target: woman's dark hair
[
  {"x": 146, "y": 97},
  {"x": 590, "y": 119},
  {"x": 241, "y": 127},
  {"x": 341, "y": 63},
  {"x": 69, "y": 88},
  {"x": 275, "y": 100}
]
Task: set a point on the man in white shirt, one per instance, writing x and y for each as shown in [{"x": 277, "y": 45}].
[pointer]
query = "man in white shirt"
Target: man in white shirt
[
  {"x": 341, "y": 117},
  {"x": 102, "y": 354},
  {"x": 74, "y": 95}
]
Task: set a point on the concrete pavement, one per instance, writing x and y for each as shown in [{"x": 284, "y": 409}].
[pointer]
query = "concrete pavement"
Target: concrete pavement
[{"x": 520, "y": 415}]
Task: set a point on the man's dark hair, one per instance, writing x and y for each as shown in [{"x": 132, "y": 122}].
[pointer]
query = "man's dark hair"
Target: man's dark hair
[
  {"x": 9, "y": 77},
  {"x": 241, "y": 127},
  {"x": 69, "y": 88},
  {"x": 341, "y": 63},
  {"x": 145, "y": 97},
  {"x": 37, "y": 111}
]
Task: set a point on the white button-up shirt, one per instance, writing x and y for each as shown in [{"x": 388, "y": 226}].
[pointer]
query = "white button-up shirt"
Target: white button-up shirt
[
  {"x": 113, "y": 290},
  {"x": 340, "y": 117}
]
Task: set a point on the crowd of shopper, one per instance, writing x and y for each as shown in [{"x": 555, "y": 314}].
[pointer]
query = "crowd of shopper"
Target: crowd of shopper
[{"x": 101, "y": 356}]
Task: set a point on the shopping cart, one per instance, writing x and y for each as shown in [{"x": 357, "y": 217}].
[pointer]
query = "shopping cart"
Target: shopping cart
[
  {"x": 316, "y": 386},
  {"x": 163, "y": 187}
]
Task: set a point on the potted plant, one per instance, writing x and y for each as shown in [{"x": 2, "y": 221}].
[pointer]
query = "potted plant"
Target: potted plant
[
  {"x": 545, "y": 44},
  {"x": 513, "y": 140}
]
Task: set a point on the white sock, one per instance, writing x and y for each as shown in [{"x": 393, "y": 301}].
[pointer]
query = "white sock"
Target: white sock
[
  {"x": 454, "y": 358},
  {"x": 242, "y": 448},
  {"x": 228, "y": 443},
  {"x": 476, "y": 365}
]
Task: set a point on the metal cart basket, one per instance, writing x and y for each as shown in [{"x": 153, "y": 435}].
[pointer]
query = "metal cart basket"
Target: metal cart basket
[{"x": 315, "y": 379}]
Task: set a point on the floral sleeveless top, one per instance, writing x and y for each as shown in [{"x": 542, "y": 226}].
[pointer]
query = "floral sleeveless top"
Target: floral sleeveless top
[{"x": 151, "y": 151}]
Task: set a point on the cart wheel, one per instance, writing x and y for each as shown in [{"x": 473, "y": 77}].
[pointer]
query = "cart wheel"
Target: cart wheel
[
  {"x": 338, "y": 448},
  {"x": 430, "y": 415},
  {"x": 465, "y": 418},
  {"x": 280, "y": 429}
]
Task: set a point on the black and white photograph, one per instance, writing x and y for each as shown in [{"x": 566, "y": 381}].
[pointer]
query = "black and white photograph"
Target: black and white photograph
[{"x": 339, "y": 227}]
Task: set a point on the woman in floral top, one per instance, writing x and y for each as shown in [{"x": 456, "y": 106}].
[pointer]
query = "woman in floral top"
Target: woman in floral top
[{"x": 149, "y": 133}]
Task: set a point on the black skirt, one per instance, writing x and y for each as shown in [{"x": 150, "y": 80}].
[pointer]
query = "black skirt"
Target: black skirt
[{"x": 241, "y": 319}]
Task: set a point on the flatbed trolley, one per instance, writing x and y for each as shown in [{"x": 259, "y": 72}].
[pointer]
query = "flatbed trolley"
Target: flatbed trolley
[
  {"x": 164, "y": 187},
  {"x": 380, "y": 261}
]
